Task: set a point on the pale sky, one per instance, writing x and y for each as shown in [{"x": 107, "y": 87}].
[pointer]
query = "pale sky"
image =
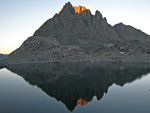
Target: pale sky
[{"x": 20, "y": 18}]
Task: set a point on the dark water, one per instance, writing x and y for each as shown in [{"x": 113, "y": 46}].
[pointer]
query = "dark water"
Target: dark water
[{"x": 76, "y": 88}]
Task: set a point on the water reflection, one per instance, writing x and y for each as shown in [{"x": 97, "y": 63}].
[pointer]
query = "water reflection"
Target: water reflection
[{"x": 77, "y": 84}]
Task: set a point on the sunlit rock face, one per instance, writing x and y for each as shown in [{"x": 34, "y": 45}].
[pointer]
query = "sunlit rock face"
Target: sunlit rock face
[
  {"x": 76, "y": 35},
  {"x": 80, "y": 9},
  {"x": 77, "y": 9}
]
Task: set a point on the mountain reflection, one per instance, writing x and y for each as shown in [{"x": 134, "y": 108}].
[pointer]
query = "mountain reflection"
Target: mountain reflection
[
  {"x": 82, "y": 102},
  {"x": 76, "y": 84}
]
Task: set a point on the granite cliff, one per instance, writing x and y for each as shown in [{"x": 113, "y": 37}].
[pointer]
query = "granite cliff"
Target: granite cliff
[{"x": 75, "y": 35}]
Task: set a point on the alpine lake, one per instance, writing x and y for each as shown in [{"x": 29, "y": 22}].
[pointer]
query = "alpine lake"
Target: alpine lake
[{"x": 75, "y": 88}]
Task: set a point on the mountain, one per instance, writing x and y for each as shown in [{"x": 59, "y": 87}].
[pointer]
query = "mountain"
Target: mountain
[
  {"x": 129, "y": 33},
  {"x": 76, "y": 25},
  {"x": 2, "y": 56},
  {"x": 75, "y": 35},
  {"x": 77, "y": 84}
]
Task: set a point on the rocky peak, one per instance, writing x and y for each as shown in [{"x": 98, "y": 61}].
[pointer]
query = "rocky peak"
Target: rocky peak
[
  {"x": 98, "y": 15},
  {"x": 73, "y": 9},
  {"x": 75, "y": 35},
  {"x": 129, "y": 33},
  {"x": 80, "y": 9},
  {"x": 67, "y": 8}
]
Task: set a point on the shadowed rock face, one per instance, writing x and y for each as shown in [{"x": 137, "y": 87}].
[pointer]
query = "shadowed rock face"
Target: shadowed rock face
[
  {"x": 2, "y": 56},
  {"x": 76, "y": 24},
  {"x": 128, "y": 33},
  {"x": 75, "y": 35},
  {"x": 77, "y": 84}
]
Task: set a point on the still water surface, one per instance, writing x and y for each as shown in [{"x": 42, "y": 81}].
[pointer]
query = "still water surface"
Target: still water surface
[{"x": 76, "y": 88}]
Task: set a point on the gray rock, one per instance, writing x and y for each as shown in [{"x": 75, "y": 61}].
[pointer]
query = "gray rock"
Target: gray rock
[
  {"x": 129, "y": 33},
  {"x": 70, "y": 27},
  {"x": 75, "y": 35},
  {"x": 3, "y": 56}
]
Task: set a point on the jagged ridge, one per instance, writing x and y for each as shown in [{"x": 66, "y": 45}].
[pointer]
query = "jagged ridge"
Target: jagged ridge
[{"x": 75, "y": 24}]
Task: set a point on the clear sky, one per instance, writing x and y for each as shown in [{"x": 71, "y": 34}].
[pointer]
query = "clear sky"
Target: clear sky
[{"x": 20, "y": 18}]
